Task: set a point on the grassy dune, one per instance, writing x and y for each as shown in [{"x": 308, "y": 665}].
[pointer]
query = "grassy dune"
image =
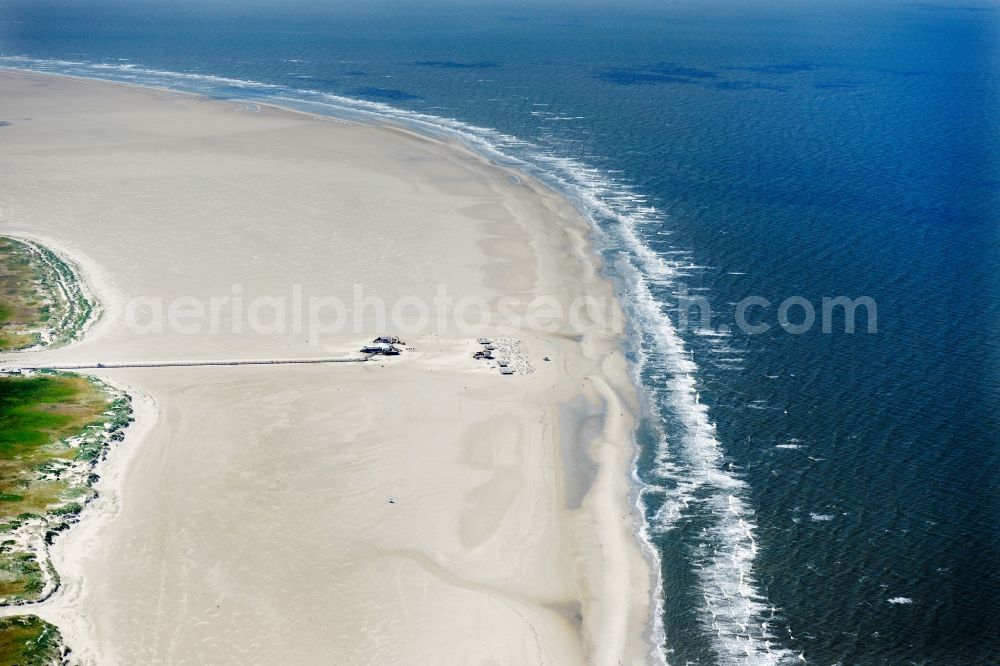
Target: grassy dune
[
  {"x": 42, "y": 299},
  {"x": 23, "y": 308},
  {"x": 27, "y": 640},
  {"x": 35, "y": 413},
  {"x": 53, "y": 428}
]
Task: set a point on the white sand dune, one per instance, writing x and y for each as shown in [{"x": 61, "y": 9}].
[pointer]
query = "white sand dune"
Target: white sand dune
[{"x": 418, "y": 509}]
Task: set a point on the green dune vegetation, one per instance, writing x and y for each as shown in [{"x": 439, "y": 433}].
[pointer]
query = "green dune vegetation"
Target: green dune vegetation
[
  {"x": 54, "y": 427},
  {"x": 23, "y": 310},
  {"x": 27, "y": 640},
  {"x": 53, "y": 430},
  {"x": 42, "y": 301}
]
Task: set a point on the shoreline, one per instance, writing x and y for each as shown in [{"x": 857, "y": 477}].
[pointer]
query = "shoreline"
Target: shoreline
[{"x": 615, "y": 394}]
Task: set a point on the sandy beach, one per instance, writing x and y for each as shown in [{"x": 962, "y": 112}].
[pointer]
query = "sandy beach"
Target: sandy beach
[{"x": 419, "y": 508}]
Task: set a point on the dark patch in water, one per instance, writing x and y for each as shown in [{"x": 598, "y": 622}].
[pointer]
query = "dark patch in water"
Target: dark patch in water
[
  {"x": 453, "y": 64},
  {"x": 663, "y": 72},
  {"x": 385, "y": 93},
  {"x": 4, "y": 123},
  {"x": 687, "y": 72},
  {"x": 837, "y": 85},
  {"x": 779, "y": 68},
  {"x": 630, "y": 77},
  {"x": 747, "y": 85},
  {"x": 669, "y": 73}
]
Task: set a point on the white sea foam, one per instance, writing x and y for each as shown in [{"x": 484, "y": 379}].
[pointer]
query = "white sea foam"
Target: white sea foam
[
  {"x": 695, "y": 475},
  {"x": 148, "y": 76},
  {"x": 900, "y": 601},
  {"x": 734, "y": 608}
]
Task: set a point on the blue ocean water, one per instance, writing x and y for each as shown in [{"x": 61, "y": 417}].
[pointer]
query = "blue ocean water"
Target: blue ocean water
[{"x": 826, "y": 497}]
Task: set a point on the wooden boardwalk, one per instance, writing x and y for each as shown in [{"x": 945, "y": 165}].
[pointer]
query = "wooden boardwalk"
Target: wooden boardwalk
[{"x": 189, "y": 364}]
